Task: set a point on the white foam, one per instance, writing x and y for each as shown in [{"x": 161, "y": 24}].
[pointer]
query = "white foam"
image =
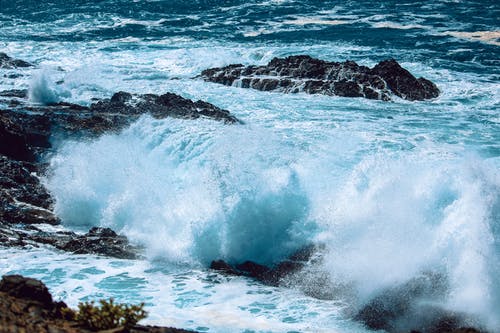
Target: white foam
[{"x": 43, "y": 90}]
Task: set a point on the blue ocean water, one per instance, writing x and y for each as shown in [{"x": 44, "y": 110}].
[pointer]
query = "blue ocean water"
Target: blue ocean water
[{"x": 390, "y": 190}]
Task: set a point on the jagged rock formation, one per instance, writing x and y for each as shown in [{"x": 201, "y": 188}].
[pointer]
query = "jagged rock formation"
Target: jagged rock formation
[
  {"x": 26, "y": 305},
  {"x": 25, "y": 135},
  {"x": 313, "y": 76}
]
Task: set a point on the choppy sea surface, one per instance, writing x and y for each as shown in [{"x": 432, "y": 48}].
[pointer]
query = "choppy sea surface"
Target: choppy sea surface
[{"x": 390, "y": 189}]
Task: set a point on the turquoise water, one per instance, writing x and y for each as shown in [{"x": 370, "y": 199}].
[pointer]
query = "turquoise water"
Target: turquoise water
[{"x": 390, "y": 189}]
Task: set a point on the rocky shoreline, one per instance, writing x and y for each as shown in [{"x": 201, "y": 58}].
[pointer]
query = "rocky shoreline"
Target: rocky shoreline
[
  {"x": 26, "y": 131},
  {"x": 26, "y": 207}
]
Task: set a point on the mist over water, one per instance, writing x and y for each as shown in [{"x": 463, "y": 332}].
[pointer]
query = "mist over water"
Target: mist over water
[{"x": 391, "y": 192}]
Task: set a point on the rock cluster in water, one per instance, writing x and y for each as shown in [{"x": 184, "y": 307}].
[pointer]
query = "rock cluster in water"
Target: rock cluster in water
[
  {"x": 305, "y": 74},
  {"x": 26, "y": 305}
]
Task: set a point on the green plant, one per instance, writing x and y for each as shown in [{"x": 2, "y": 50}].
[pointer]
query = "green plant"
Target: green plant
[{"x": 109, "y": 315}]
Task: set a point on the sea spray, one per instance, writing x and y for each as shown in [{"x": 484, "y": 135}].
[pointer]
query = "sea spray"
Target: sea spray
[
  {"x": 217, "y": 192},
  {"x": 43, "y": 89},
  {"x": 400, "y": 215},
  {"x": 348, "y": 167},
  {"x": 195, "y": 194}
]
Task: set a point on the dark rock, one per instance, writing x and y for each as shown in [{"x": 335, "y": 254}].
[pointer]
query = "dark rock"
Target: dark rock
[
  {"x": 100, "y": 241},
  {"x": 465, "y": 330},
  {"x": 305, "y": 74},
  {"x": 8, "y": 62},
  {"x": 268, "y": 275},
  {"x": 252, "y": 269},
  {"x": 19, "y": 93},
  {"x": 224, "y": 267},
  {"x": 26, "y": 288},
  {"x": 385, "y": 309},
  {"x": 14, "y": 141},
  {"x": 403, "y": 84},
  {"x": 161, "y": 106},
  {"x": 408, "y": 307},
  {"x": 23, "y": 199}
]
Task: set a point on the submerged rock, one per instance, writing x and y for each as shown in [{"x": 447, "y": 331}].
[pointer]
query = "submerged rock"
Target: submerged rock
[
  {"x": 305, "y": 74},
  {"x": 8, "y": 62}
]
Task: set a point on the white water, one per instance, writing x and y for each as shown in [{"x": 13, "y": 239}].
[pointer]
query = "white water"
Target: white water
[
  {"x": 391, "y": 189},
  {"x": 192, "y": 194}
]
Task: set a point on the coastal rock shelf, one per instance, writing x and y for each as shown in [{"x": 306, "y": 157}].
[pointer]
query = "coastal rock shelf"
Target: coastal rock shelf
[
  {"x": 303, "y": 73},
  {"x": 26, "y": 131}
]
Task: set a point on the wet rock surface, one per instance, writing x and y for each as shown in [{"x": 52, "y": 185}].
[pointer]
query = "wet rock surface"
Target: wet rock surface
[
  {"x": 404, "y": 308},
  {"x": 303, "y": 73},
  {"x": 8, "y": 62},
  {"x": 275, "y": 275},
  {"x": 410, "y": 307},
  {"x": 27, "y": 306},
  {"x": 160, "y": 106},
  {"x": 97, "y": 241},
  {"x": 26, "y": 134}
]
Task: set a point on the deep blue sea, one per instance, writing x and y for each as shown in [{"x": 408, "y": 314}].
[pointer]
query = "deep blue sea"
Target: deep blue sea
[{"x": 390, "y": 189}]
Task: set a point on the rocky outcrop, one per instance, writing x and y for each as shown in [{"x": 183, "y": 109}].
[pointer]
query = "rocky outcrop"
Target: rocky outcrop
[
  {"x": 160, "y": 106},
  {"x": 8, "y": 62},
  {"x": 26, "y": 133},
  {"x": 23, "y": 199},
  {"x": 97, "y": 241},
  {"x": 101, "y": 241},
  {"x": 26, "y": 129},
  {"x": 27, "y": 306},
  {"x": 303, "y": 73}
]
